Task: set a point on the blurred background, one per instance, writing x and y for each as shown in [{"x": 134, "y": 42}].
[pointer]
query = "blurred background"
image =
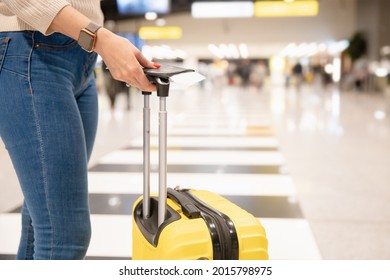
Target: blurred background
[{"x": 291, "y": 123}]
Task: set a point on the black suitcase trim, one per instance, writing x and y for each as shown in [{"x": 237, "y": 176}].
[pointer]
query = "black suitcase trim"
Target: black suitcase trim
[
  {"x": 222, "y": 230},
  {"x": 225, "y": 240}
]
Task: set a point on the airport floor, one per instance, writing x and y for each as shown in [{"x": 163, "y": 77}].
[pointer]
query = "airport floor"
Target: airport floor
[{"x": 312, "y": 165}]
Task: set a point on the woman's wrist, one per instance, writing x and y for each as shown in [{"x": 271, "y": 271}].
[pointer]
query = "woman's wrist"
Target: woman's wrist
[{"x": 103, "y": 36}]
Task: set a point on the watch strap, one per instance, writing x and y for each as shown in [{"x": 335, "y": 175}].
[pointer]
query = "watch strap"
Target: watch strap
[{"x": 93, "y": 27}]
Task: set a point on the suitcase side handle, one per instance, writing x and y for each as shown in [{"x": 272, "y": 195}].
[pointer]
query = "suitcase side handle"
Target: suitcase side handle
[{"x": 187, "y": 206}]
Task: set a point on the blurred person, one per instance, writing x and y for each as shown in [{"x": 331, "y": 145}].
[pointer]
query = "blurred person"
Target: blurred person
[
  {"x": 317, "y": 73},
  {"x": 231, "y": 73},
  {"x": 297, "y": 72},
  {"x": 244, "y": 71},
  {"x": 360, "y": 72},
  {"x": 326, "y": 77},
  {"x": 49, "y": 113}
]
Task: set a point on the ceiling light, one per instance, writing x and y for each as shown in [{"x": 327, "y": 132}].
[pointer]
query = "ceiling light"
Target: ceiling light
[
  {"x": 379, "y": 115},
  {"x": 151, "y": 16},
  {"x": 233, "y": 9},
  {"x": 215, "y": 51}
]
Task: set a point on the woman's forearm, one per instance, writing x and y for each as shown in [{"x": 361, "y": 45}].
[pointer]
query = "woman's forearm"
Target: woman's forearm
[
  {"x": 36, "y": 13},
  {"x": 69, "y": 22}
]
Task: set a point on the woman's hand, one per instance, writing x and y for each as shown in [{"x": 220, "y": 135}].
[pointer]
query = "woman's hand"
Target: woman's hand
[{"x": 124, "y": 60}]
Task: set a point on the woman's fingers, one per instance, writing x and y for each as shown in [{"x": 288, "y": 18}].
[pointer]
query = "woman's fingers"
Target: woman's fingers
[
  {"x": 125, "y": 61},
  {"x": 144, "y": 61},
  {"x": 141, "y": 81}
]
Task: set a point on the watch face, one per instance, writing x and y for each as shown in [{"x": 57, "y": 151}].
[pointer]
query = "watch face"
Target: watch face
[{"x": 86, "y": 40}]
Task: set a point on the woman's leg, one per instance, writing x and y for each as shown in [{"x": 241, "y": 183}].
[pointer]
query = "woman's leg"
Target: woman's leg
[
  {"x": 44, "y": 134},
  {"x": 26, "y": 246}
]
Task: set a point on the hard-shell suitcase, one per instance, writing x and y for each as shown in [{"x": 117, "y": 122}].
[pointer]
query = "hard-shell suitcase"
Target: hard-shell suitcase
[{"x": 187, "y": 224}]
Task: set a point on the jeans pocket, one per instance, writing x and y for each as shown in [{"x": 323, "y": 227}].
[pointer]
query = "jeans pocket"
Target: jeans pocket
[
  {"x": 54, "y": 42},
  {"x": 3, "y": 49}
]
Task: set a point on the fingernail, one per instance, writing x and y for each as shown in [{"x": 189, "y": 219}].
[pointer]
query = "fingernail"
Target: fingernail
[{"x": 156, "y": 65}]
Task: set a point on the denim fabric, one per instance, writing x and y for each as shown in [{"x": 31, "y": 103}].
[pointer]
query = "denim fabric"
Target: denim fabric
[{"x": 48, "y": 121}]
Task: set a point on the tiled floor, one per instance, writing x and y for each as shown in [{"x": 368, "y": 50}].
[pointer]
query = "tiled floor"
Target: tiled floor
[{"x": 300, "y": 162}]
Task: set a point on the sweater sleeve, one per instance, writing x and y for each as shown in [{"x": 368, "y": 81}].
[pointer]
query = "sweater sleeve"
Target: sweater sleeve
[{"x": 37, "y": 13}]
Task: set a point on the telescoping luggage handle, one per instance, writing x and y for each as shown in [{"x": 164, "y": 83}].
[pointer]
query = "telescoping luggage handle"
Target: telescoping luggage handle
[{"x": 160, "y": 77}]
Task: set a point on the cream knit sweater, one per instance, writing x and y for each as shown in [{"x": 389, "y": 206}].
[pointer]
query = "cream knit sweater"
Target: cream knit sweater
[{"x": 16, "y": 15}]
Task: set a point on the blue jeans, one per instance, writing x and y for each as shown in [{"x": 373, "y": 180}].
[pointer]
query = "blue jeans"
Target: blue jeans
[{"x": 48, "y": 121}]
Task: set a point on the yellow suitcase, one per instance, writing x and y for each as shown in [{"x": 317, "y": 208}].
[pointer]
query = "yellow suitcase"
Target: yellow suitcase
[{"x": 187, "y": 224}]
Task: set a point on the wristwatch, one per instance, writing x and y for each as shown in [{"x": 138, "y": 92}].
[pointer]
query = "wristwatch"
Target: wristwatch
[{"x": 87, "y": 37}]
